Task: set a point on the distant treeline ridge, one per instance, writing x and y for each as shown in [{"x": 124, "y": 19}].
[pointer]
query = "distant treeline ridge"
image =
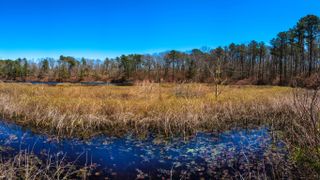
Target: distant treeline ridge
[{"x": 292, "y": 57}]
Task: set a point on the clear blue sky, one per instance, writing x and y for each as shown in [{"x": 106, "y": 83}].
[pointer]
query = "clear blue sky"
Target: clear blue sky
[{"x": 100, "y": 28}]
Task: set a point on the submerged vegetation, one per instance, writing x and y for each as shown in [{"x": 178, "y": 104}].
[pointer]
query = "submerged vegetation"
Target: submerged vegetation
[{"x": 241, "y": 153}]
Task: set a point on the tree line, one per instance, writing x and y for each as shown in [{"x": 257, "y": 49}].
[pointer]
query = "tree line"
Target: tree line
[{"x": 293, "y": 56}]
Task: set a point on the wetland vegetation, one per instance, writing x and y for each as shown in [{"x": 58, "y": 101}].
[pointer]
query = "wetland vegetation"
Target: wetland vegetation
[
  {"x": 164, "y": 109},
  {"x": 275, "y": 129}
]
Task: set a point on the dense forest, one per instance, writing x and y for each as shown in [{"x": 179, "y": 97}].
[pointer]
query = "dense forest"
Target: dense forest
[{"x": 292, "y": 57}]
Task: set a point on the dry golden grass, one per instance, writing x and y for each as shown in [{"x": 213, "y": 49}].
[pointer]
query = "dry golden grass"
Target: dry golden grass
[{"x": 166, "y": 109}]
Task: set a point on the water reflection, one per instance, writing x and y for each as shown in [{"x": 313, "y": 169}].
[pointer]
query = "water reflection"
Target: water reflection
[{"x": 232, "y": 153}]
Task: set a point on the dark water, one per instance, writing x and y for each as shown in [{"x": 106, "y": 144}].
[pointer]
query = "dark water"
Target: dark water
[
  {"x": 81, "y": 83},
  {"x": 96, "y": 83},
  {"x": 44, "y": 83},
  {"x": 233, "y": 153},
  {"x": 54, "y": 83}
]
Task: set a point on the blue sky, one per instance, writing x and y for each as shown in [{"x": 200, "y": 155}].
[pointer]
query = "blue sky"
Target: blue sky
[{"x": 100, "y": 28}]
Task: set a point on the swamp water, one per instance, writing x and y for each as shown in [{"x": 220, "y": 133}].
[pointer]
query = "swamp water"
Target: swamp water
[
  {"x": 236, "y": 153},
  {"x": 80, "y": 83}
]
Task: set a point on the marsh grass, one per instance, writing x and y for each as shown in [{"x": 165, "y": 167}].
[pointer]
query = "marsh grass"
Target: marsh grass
[
  {"x": 166, "y": 109},
  {"x": 26, "y": 165}
]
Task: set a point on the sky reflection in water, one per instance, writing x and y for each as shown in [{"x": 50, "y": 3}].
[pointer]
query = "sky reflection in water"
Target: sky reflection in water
[{"x": 232, "y": 153}]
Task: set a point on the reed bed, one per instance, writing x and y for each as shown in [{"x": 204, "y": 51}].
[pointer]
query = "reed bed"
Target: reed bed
[{"x": 162, "y": 109}]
